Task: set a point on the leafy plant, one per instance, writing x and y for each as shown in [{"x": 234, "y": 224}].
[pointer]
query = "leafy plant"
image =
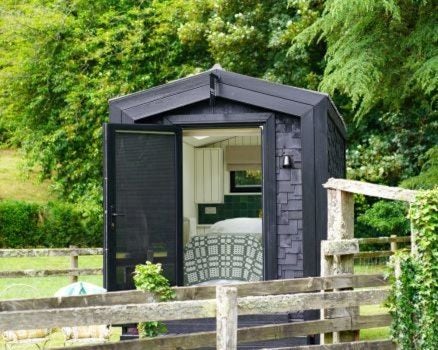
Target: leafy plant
[
  {"x": 424, "y": 218},
  {"x": 18, "y": 224},
  {"x": 60, "y": 62},
  {"x": 402, "y": 301},
  {"x": 149, "y": 277},
  {"x": 55, "y": 224},
  {"x": 378, "y": 52},
  {"x": 414, "y": 294},
  {"x": 428, "y": 177},
  {"x": 387, "y": 218}
]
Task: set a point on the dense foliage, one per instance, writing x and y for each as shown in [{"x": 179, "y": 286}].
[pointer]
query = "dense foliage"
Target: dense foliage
[
  {"x": 61, "y": 61},
  {"x": 414, "y": 302},
  {"x": 402, "y": 301},
  {"x": 382, "y": 219},
  {"x": 149, "y": 278},
  {"x": 55, "y": 224}
]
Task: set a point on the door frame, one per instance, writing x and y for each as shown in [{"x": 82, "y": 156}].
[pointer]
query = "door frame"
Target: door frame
[
  {"x": 110, "y": 129},
  {"x": 269, "y": 188}
]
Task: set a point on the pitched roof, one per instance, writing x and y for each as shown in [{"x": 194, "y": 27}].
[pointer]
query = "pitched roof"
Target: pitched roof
[{"x": 229, "y": 85}]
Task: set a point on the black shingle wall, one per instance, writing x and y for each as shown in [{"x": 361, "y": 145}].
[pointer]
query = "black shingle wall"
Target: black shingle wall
[{"x": 289, "y": 198}]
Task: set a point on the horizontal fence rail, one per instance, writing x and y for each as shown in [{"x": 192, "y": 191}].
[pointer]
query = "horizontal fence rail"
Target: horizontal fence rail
[
  {"x": 384, "y": 240},
  {"x": 253, "y": 298},
  {"x": 351, "y": 246},
  {"x": 276, "y": 287},
  {"x": 373, "y": 190},
  {"x": 356, "y": 345},
  {"x": 253, "y": 334},
  {"x": 16, "y": 253},
  {"x": 51, "y": 273},
  {"x": 73, "y": 252},
  {"x": 393, "y": 241},
  {"x": 25, "y": 316}
]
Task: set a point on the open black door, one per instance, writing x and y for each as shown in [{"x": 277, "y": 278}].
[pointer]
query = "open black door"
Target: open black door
[{"x": 142, "y": 192}]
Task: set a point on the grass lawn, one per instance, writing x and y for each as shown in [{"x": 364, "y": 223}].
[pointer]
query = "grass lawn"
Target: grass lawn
[
  {"x": 15, "y": 288},
  {"x": 15, "y": 184},
  {"x": 372, "y": 333},
  {"x": 363, "y": 268}
]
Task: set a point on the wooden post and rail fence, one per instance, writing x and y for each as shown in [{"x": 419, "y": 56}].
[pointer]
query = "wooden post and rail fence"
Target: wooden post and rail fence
[
  {"x": 222, "y": 302},
  {"x": 338, "y": 293},
  {"x": 340, "y": 248},
  {"x": 74, "y": 253}
]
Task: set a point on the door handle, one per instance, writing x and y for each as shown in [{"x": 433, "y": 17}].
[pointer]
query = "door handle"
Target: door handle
[{"x": 114, "y": 215}]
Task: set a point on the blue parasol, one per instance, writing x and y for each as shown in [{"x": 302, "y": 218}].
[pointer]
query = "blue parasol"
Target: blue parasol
[{"x": 79, "y": 288}]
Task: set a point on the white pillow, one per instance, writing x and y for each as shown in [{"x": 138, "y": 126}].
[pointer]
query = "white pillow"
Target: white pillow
[{"x": 238, "y": 225}]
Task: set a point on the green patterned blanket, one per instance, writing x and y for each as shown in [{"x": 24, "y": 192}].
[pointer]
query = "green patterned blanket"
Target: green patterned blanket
[{"x": 223, "y": 257}]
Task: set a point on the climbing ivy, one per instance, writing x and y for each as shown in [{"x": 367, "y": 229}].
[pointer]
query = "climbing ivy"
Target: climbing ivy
[
  {"x": 149, "y": 278},
  {"x": 414, "y": 297},
  {"x": 424, "y": 218},
  {"x": 402, "y": 301}
]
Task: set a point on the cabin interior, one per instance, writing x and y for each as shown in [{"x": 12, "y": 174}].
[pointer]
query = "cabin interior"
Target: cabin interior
[{"x": 222, "y": 205}]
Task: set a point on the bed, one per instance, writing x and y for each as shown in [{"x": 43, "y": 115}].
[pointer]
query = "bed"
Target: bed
[{"x": 226, "y": 254}]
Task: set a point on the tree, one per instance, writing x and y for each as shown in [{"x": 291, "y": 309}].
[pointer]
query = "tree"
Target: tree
[
  {"x": 382, "y": 69},
  {"x": 379, "y": 53},
  {"x": 60, "y": 63},
  {"x": 254, "y": 37}
]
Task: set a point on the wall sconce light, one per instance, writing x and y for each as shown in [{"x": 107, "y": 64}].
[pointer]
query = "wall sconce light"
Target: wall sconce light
[{"x": 287, "y": 162}]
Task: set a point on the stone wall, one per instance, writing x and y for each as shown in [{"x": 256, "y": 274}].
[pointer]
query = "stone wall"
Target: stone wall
[{"x": 289, "y": 198}]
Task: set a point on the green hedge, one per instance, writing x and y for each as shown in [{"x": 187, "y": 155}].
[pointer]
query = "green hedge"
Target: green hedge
[{"x": 54, "y": 224}]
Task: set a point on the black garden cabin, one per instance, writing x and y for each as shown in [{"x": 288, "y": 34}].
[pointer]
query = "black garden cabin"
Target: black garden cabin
[{"x": 218, "y": 177}]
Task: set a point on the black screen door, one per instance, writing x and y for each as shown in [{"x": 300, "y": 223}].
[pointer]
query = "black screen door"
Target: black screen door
[{"x": 143, "y": 213}]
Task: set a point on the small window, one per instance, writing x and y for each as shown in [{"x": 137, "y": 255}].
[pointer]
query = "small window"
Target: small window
[{"x": 245, "y": 181}]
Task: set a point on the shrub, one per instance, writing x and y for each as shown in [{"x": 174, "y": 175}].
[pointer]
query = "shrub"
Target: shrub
[
  {"x": 55, "y": 224},
  {"x": 19, "y": 224},
  {"x": 61, "y": 225},
  {"x": 386, "y": 218},
  {"x": 382, "y": 219}
]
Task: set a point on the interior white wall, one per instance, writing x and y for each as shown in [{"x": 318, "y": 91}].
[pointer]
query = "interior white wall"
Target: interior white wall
[
  {"x": 189, "y": 207},
  {"x": 235, "y": 141}
]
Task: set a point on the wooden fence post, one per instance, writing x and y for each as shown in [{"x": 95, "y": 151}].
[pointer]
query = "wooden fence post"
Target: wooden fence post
[
  {"x": 226, "y": 318},
  {"x": 74, "y": 263},
  {"x": 393, "y": 243},
  {"x": 340, "y": 226}
]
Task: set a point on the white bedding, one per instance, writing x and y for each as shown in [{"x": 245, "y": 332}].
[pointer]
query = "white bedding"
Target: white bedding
[
  {"x": 238, "y": 225},
  {"x": 219, "y": 282}
]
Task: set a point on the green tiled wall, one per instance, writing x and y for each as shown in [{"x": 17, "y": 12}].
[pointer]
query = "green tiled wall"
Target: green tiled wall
[{"x": 233, "y": 207}]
